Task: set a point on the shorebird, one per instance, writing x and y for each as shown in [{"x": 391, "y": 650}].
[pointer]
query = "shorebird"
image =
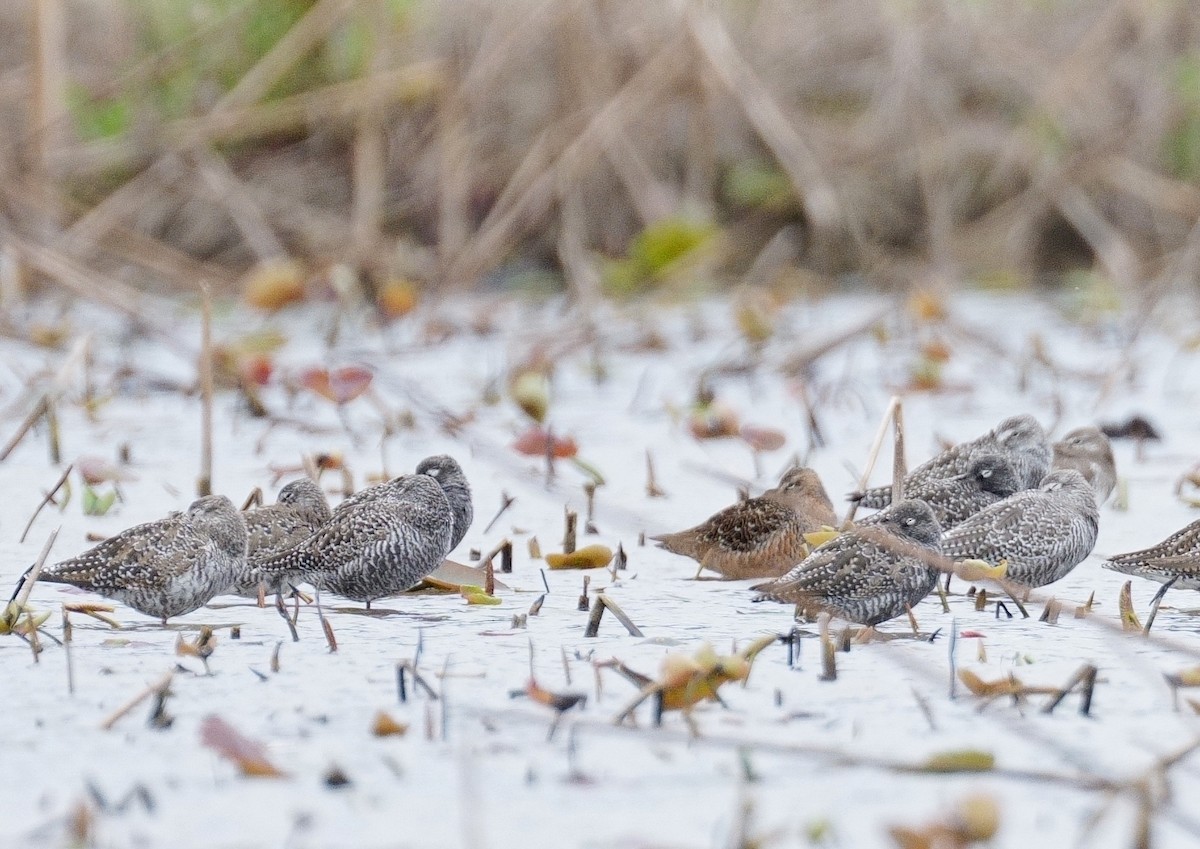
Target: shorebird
[
  {"x": 373, "y": 546},
  {"x": 1088, "y": 451},
  {"x": 298, "y": 511},
  {"x": 1020, "y": 439},
  {"x": 988, "y": 478},
  {"x": 1174, "y": 562},
  {"x": 869, "y": 574},
  {"x": 445, "y": 470},
  {"x": 165, "y": 568},
  {"x": 1041, "y": 533},
  {"x": 761, "y": 537}
]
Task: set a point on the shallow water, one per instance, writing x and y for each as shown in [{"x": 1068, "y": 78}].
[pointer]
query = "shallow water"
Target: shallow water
[{"x": 476, "y": 768}]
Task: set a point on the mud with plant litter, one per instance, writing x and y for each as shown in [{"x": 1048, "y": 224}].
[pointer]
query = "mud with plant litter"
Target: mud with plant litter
[{"x": 423, "y": 728}]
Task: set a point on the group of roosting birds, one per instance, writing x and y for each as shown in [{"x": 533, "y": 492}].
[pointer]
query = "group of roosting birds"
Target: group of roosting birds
[
  {"x": 1009, "y": 498},
  {"x": 378, "y": 542}
]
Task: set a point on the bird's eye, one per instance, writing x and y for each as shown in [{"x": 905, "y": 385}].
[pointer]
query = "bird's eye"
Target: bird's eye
[
  {"x": 910, "y": 521},
  {"x": 986, "y": 473}
]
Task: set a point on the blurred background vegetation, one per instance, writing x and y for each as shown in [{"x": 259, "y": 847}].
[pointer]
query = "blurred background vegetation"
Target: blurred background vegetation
[{"x": 411, "y": 147}]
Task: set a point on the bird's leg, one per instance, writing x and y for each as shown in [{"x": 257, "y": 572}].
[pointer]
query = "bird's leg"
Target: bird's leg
[
  {"x": 1156, "y": 601},
  {"x": 368, "y": 604}
]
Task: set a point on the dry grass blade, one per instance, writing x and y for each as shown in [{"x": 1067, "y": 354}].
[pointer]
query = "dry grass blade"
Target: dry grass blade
[{"x": 46, "y": 499}]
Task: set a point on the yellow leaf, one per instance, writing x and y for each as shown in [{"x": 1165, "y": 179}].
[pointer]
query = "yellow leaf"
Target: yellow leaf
[
  {"x": 1129, "y": 617},
  {"x": 273, "y": 284},
  {"x": 961, "y": 760},
  {"x": 588, "y": 557},
  {"x": 977, "y": 570},
  {"x": 816, "y": 538},
  {"x": 385, "y": 726}
]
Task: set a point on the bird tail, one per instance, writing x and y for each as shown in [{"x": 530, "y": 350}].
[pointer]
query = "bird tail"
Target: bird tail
[
  {"x": 292, "y": 563},
  {"x": 669, "y": 542},
  {"x": 875, "y": 498}
]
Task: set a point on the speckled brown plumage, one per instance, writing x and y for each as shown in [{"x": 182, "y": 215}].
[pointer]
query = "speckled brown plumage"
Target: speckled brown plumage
[
  {"x": 165, "y": 568},
  {"x": 298, "y": 511},
  {"x": 1176, "y": 557},
  {"x": 761, "y": 537},
  {"x": 1019, "y": 439},
  {"x": 1088, "y": 451},
  {"x": 869, "y": 574}
]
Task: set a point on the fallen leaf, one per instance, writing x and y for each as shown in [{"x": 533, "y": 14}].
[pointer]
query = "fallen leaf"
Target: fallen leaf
[
  {"x": 588, "y": 557},
  {"x": 530, "y": 390},
  {"x": 397, "y": 298},
  {"x": 818, "y": 538},
  {"x": 961, "y": 760},
  {"x": 558, "y": 701},
  {"x": 536, "y": 442},
  {"x": 762, "y": 438},
  {"x": 273, "y": 284},
  {"x": 250, "y": 757},
  {"x": 339, "y": 385},
  {"x": 385, "y": 726},
  {"x": 1129, "y": 617}
]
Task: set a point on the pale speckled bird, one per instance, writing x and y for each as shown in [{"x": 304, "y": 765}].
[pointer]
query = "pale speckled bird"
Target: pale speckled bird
[
  {"x": 1042, "y": 533},
  {"x": 760, "y": 537},
  {"x": 1088, "y": 451},
  {"x": 298, "y": 511},
  {"x": 373, "y": 546},
  {"x": 1020, "y": 439},
  {"x": 1176, "y": 559},
  {"x": 165, "y": 568},
  {"x": 869, "y": 574}
]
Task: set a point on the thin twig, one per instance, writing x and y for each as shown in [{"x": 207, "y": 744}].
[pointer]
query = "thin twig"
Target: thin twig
[{"x": 46, "y": 499}]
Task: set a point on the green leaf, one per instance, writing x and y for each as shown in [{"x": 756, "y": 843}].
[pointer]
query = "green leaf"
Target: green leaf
[{"x": 95, "y": 504}]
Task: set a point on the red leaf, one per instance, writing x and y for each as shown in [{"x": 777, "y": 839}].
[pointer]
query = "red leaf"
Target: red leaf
[
  {"x": 225, "y": 740},
  {"x": 535, "y": 442},
  {"x": 341, "y": 385}
]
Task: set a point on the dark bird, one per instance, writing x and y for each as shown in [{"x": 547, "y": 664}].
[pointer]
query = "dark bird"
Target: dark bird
[
  {"x": 1175, "y": 560},
  {"x": 445, "y": 470},
  {"x": 761, "y": 537},
  {"x": 165, "y": 568},
  {"x": 988, "y": 479},
  {"x": 869, "y": 574},
  {"x": 298, "y": 511},
  {"x": 1019, "y": 439},
  {"x": 1041, "y": 533},
  {"x": 1088, "y": 451},
  {"x": 377, "y": 543}
]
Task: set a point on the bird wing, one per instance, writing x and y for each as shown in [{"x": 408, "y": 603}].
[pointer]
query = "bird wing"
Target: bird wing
[
  {"x": 748, "y": 525},
  {"x": 999, "y": 530},
  {"x": 148, "y": 555},
  {"x": 825, "y": 566},
  {"x": 276, "y": 528}
]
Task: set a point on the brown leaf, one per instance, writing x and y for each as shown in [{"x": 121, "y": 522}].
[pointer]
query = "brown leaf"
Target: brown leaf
[
  {"x": 249, "y": 756},
  {"x": 385, "y": 726},
  {"x": 762, "y": 438}
]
